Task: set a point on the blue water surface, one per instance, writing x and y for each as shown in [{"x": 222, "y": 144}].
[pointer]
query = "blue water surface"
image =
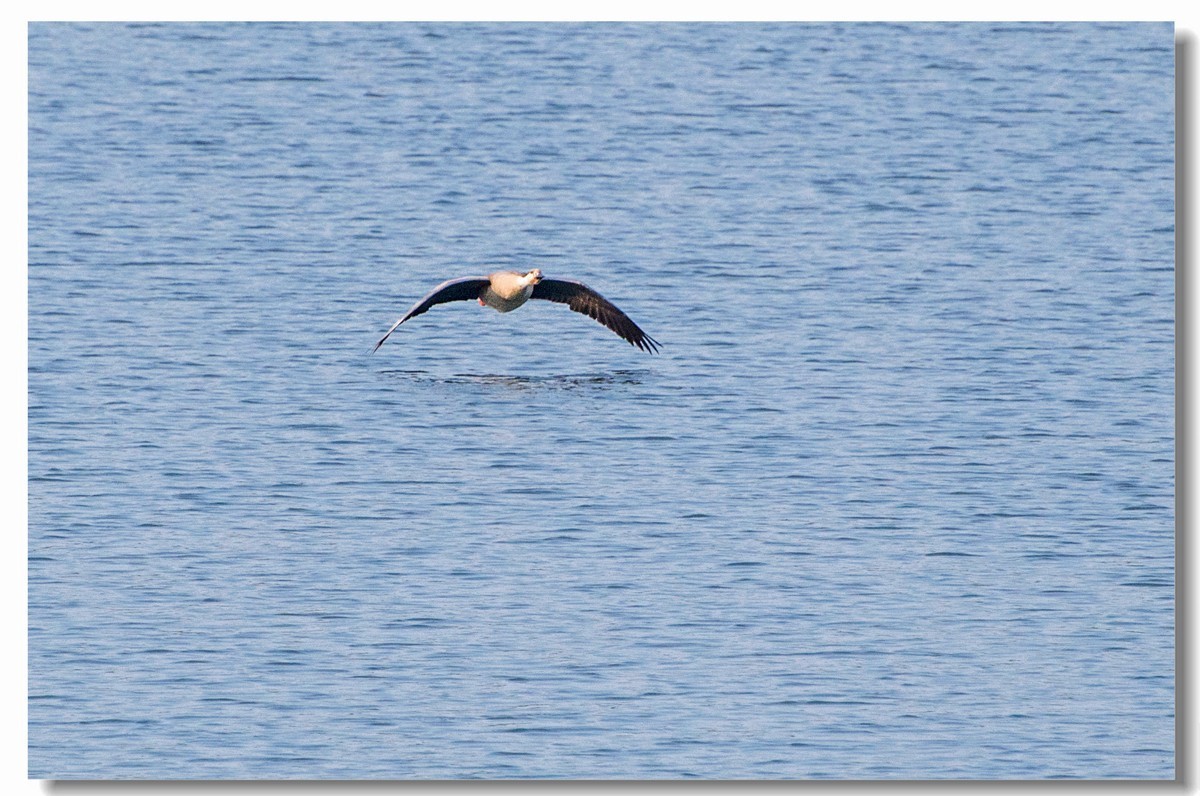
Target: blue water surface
[{"x": 894, "y": 501}]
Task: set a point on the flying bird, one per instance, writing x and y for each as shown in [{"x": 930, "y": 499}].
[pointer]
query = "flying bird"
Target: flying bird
[{"x": 507, "y": 290}]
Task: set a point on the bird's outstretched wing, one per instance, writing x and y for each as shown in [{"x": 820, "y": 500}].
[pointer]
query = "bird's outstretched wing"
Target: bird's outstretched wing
[
  {"x": 583, "y": 299},
  {"x": 462, "y": 289}
]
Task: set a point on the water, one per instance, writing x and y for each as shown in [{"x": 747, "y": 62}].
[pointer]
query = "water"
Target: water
[{"x": 895, "y": 500}]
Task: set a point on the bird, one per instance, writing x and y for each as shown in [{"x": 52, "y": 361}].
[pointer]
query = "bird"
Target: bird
[{"x": 506, "y": 290}]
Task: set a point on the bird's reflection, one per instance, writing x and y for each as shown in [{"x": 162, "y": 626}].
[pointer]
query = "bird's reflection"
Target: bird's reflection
[{"x": 554, "y": 381}]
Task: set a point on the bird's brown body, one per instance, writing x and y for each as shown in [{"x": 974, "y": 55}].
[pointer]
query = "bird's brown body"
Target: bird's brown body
[{"x": 508, "y": 290}]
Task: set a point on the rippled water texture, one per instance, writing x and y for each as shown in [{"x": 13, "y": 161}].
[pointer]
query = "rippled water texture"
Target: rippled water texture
[{"x": 895, "y": 500}]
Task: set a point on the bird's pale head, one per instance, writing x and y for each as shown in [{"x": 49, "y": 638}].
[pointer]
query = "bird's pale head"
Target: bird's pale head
[{"x": 534, "y": 276}]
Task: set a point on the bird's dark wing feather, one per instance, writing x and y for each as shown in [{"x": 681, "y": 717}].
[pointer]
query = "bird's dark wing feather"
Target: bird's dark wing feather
[
  {"x": 463, "y": 289},
  {"x": 583, "y": 299}
]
